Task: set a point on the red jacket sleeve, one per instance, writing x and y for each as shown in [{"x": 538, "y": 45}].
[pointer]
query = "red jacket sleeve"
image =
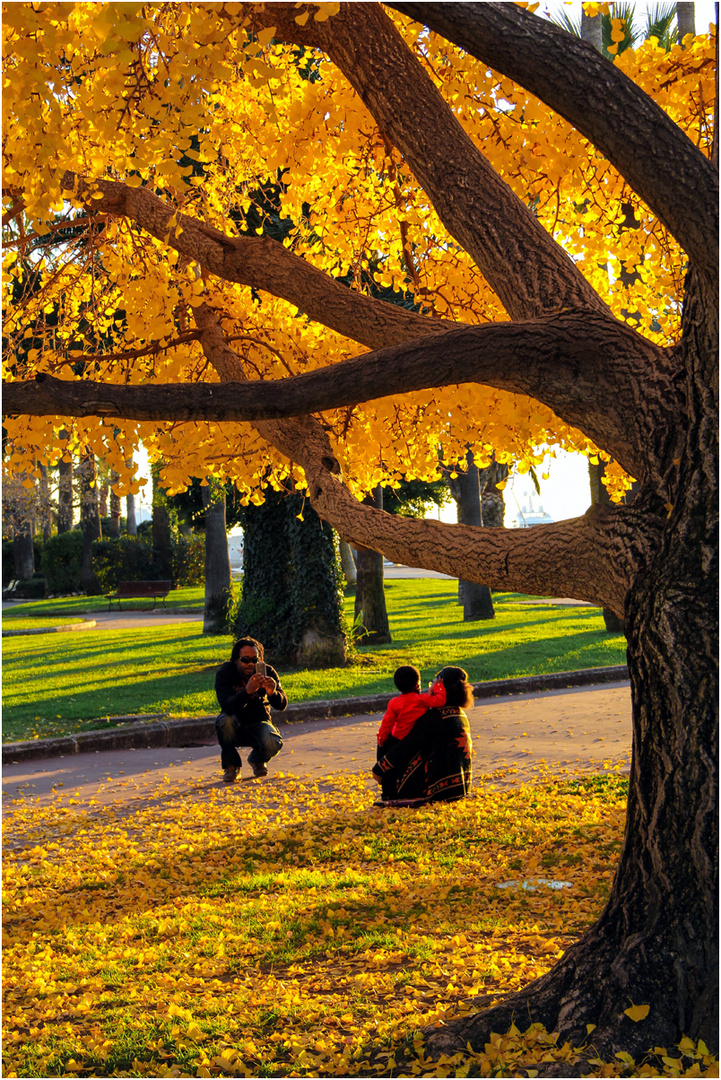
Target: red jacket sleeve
[
  {"x": 387, "y": 722},
  {"x": 436, "y": 698}
]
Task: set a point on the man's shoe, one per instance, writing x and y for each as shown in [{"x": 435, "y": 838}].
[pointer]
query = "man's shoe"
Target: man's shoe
[
  {"x": 230, "y": 774},
  {"x": 259, "y": 769}
]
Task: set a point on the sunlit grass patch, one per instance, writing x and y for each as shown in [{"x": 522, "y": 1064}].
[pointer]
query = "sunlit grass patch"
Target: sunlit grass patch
[
  {"x": 170, "y": 669},
  {"x": 286, "y": 928}
]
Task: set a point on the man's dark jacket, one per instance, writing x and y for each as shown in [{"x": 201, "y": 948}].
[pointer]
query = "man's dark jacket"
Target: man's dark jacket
[{"x": 249, "y": 708}]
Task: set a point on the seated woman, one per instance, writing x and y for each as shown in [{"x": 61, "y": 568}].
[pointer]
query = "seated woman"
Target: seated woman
[{"x": 433, "y": 762}]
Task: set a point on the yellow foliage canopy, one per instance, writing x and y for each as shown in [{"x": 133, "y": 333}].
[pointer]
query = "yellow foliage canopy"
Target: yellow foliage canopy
[{"x": 249, "y": 135}]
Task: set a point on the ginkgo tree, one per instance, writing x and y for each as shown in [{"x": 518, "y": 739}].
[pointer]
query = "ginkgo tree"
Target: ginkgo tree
[{"x": 483, "y": 163}]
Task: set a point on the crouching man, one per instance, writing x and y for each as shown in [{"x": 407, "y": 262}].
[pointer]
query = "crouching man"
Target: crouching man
[{"x": 246, "y": 689}]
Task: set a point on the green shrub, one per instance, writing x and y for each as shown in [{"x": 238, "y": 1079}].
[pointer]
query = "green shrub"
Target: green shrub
[
  {"x": 131, "y": 558},
  {"x": 126, "y": 559},
  {"x": 9, "y": 562},
  {"x": 189, "y": 559},
  {"x": 61, "y": 562}
]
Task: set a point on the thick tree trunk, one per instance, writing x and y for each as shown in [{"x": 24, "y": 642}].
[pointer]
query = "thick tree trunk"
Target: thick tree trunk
[
  {"x": 218, "y": 582},
  {"x": 90, "y": 520},
  {"x": 65, "y": 495},
  {"x": 347, "y": 562},
  {"x": 656, "y": 942},
  {"x": 466, "y": 490},
  {"x": 370, "y": 614},
  {"x": 115, "y": 511}
]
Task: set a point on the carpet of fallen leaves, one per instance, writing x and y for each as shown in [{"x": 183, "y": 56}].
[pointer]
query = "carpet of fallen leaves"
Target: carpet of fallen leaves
[{"x": 288, "y": 928}]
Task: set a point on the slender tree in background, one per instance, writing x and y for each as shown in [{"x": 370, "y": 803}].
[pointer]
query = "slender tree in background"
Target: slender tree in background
[
  {"x": 218, "y": 584},
  {"x": 87, "y": 474},
  {"x": 162, "y": 528},
  {"x": 465, "y": 487},
  {"x": 65, "y": 491},
  {"x": 347, "y": 562},
  {"x": 370, "y": 614},
  {"x": 478, "y": 154}
]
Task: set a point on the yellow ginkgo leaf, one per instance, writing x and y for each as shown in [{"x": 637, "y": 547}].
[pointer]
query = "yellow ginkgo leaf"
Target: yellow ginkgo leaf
[{"x": 637, "y": 1012}]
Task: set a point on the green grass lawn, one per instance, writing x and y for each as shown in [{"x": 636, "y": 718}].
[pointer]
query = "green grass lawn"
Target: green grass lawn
[
  {"x": 39, "y": 622},
  {"x": 188, "y": 598},
  {"x": 61, "y": 683}
]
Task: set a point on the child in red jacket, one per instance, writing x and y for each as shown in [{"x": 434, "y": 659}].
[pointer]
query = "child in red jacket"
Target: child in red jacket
[{"x": 403, "y": 711}]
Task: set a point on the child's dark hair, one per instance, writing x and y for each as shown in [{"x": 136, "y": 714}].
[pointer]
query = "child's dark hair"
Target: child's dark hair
[
  {"x": 407, "y": 679},
  {"x": 458, "y": 689},
  {"x": 241, "y": 642}
]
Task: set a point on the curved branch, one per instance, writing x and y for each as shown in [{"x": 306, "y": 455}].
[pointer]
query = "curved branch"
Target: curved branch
[
  {"x": 592, "y": 558},
  {"x": 650, "y": 151},
  {"x": 531, "y": 274},
  {"x": 593, "y": 371},
  {"x": 263, "y": 264}
]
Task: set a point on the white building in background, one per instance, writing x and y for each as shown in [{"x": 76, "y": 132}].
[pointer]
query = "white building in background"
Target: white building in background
[
  {"x": 235, "y": 552},
  {"x": 528, "y": 516}
]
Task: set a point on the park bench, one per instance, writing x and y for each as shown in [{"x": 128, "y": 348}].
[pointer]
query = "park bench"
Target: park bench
[{"x": 139, "y": 590}]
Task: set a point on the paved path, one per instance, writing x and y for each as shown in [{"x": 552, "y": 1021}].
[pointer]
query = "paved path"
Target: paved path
[{"x": 514, "y": 738}]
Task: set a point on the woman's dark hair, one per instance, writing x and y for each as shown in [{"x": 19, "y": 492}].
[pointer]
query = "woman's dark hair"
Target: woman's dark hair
[
  {"x": 458, "y": 689},
  {"x": 407, "y": 678},
  {"x": 241, "y": 643}
]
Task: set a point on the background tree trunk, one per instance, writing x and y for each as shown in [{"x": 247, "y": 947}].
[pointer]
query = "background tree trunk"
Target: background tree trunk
[
  {"x": 131, "y": 523},
  {"x": 347, "y": 561},
  {"x": 46, "y": 513},
  {"x": 466, "y": 490},
  {"x": 162, "y": 535},
  {"x": 23, "y": 554},
  {"x": 90, "y": 520},
  {"x": 218, "y": 581},
  {"x": 115, "y": 511},
  {"x": 370, "y": 612},
  {"x": 685, "y": 20},
  {"x": 65, "y": 495}
]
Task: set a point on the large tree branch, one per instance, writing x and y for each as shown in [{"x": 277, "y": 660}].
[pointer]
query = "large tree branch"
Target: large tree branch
[
  {"x": 592, "y": 558},
  {"x": 652, "y": 153},
  {"x": 593, "y": 371},
  {"x": 263, "y": 264},
  {"x": 528, "y": 270}
]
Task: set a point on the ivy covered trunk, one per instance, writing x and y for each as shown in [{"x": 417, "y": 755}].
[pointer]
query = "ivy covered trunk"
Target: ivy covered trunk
[
  {"x": 292, "y": 597},
  {"x": 218, "y": 584}
]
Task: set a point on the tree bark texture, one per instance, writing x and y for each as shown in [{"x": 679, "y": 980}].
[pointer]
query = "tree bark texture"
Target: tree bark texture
[
  {"x": 600, "y": 497},
  {"x": 655, "y": 411},
  {"x": 218, "y": 584},
  {"x": 90, "y": 520},
  {"x": 370, "y": 614}
]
